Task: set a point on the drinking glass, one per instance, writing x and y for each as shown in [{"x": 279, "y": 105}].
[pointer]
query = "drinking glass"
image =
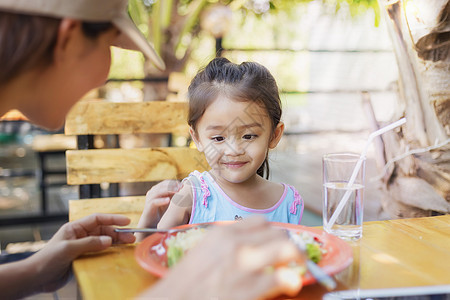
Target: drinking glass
[{"x": 337, "y": 171}]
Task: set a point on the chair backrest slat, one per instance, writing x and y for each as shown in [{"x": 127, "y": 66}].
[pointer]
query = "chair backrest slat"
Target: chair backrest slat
[
  {"x": 102, "y": 117},
  {"x": 120, "y": 165},
  {"x": 132, "y": 165}
]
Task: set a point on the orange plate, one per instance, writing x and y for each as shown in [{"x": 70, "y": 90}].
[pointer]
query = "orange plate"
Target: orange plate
[{"x": 337, "y": 257}]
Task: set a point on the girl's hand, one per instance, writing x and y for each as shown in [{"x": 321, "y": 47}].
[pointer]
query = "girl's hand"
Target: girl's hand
[
  {"x": 233, "y": 262},
  {"x": 156, "y": 202}
]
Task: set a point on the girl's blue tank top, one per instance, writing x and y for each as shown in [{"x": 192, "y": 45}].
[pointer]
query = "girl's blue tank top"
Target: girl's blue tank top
[{"x": 210, "y": 203}]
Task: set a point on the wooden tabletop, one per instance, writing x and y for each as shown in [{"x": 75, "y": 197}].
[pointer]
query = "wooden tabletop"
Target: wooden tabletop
[{"x": 394, "y": 253}]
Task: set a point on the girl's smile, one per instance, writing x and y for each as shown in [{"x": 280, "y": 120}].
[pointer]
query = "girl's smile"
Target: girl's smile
[{"x": 234, "y": 164}]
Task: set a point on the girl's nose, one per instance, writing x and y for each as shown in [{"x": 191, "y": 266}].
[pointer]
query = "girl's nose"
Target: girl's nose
[{"x": 234, "y": 148}]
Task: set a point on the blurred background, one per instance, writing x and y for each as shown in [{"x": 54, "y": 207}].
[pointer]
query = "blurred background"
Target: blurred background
[
  {"x": 332, "y": 59},
  {"x": 333, "y": 62}
]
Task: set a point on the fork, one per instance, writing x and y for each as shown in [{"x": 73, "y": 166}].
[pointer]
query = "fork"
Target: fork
[
  {"x": 323, "y": 278},
  {"x": 156, "y": 230}
]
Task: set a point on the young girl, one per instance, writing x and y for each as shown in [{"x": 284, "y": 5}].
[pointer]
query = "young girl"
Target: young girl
[{"x": 234, "y": 118}]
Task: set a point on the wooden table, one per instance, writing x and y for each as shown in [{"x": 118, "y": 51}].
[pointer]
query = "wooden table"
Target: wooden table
[{"x": 395, "y": 253}]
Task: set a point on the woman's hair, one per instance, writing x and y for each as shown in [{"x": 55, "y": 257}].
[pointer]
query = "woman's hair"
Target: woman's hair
[
  {"x": 28, "y": 41},
  {"x": 248, "y": 81}
]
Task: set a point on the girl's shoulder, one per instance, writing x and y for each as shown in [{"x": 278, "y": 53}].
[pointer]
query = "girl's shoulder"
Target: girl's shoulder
[
  {"x": 197, "y": 179},
  {"x": 200, "y": 184},
  {"x": 271, "y": 187},
  {"x": 289, "y": 192},
  {"x": 196, "y": 175},
  {"x": 291, "y": 187},
  {"x": 183, "y": 198},
  {"x": 293, "y": 190}
]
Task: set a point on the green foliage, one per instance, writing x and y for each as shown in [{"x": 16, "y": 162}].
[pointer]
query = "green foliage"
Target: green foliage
[
  {"x": 139, "y": 13},
  {"x": 358, "y": 7},
  {"x": 126, "y": 64},
  {"x": 173, "y": 25}
]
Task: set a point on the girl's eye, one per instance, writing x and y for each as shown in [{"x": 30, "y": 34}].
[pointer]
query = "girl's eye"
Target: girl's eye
[
  {"x": 218, "y": 138},
  {"x": 249, "y": 136}
]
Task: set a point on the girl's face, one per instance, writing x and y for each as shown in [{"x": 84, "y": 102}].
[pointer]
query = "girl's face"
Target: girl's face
[{"x": 235, "y": 137}]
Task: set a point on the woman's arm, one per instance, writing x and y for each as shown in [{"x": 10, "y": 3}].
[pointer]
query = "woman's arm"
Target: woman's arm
[
  {"x": 49, "y": 269},
  {"x": 18, "y": 279},
  {"x": 180, "y": 208}
]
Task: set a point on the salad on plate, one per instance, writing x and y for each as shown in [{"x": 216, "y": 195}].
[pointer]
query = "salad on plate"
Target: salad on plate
[
  {"x": 159, "y": 252},
  {"x": 178, "y": 245}
]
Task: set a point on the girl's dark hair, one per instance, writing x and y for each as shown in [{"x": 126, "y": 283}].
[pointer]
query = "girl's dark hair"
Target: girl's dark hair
[
  {"x": 248, "y": 81},
  {"x": 28, "y": 41}
]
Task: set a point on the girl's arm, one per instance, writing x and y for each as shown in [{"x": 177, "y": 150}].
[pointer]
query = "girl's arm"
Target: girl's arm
[
  {"x": 156, "y": 202},
  {"x": 179, "y": 210}
]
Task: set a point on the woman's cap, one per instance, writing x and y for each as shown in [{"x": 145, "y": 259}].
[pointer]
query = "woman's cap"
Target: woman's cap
[{"x": 114, "y": 11}]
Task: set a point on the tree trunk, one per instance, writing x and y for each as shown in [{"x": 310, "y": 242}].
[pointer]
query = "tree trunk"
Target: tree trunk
[
  {"x": 417, "y": 181},
  {"x": 168, "y": 30}
]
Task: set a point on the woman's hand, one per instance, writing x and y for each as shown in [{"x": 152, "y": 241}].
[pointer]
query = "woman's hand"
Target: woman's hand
[
  {"x": 49, "y": 268},
  {"x": 234, "y": 262},
  {"x": 89, "y": 234},
  {"x": 156, "y": 202}
]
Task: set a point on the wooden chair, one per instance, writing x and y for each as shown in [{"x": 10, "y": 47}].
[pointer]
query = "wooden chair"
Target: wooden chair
[{"x": 97, "y": 166}]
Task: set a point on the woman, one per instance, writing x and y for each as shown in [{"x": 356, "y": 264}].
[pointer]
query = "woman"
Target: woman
[
  {"x": 60, "y": 50},
  {"x": 52, "y": 52}
]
